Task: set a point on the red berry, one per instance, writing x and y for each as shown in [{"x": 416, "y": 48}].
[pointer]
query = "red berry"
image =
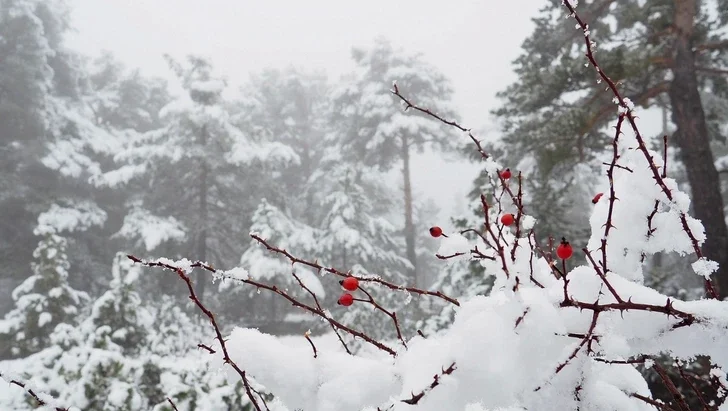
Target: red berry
[
  {"x": 506, "y": 174},
  {"x": 564, "y": 250},
  {"x": 346, "y": 300},
  {"x": 350, "y": 283},
  {"x": 507, "y": 219},
  {"x": 435, "y": 231},
  {"x": 597, "y": 197}
]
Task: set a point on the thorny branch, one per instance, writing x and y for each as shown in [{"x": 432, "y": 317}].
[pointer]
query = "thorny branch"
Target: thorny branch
[
  {"x": 629, "y": 114},
  {"x": 435, "y": 382},
  {"x": 282, "y": 293},
  {"x": 452, "y": 123},
  {"x": 26, "y": 386},
  {"x": 378, "y": 280},
  {"x": 621, "y": 305},
  {"x": 679, "y": 398},
  {"x": 218, "y": 333}
]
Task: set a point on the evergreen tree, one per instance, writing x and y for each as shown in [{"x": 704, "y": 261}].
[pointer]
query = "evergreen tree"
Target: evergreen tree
[
  {"x": 30, "y": 32},
  {"x": 356, "y": 236},
  {"x": 128, "y": 354},
  {"x": 369, "y": 129},
  {"x": 207, "y": 204},
  {"x": 42, "y": 301},
  {"x": 288, "y": 107}
]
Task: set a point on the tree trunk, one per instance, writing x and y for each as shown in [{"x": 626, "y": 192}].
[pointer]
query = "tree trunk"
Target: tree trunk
[
  {"x": 202, "y": 277},
  {"x": 692, "y": 139},
  {"x": 409, "y": 227}
]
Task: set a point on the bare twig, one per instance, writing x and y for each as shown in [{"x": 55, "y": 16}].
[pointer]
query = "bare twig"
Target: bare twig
[{"x": 308, "y": 338}]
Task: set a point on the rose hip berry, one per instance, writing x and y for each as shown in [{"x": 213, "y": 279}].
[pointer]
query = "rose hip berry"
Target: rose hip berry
[
  {"x": 596, "y": 198},
  {"x": 507, "y": 219},
  {"x": 350, "y": 283},
  {"x": 346, "y": 300},
  {"x": 435, "y": 231},
  {"x": 506, "y": 174},
  {"x": 564, "y": 250}
]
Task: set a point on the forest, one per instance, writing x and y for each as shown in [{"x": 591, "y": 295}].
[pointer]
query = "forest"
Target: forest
[{"x": 292, "y": 199}]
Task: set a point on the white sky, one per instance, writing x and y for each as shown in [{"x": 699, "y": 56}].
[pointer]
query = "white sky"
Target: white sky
[{"x": 472, "y": 41}]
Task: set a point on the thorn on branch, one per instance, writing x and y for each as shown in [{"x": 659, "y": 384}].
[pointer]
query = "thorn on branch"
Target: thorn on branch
[
  {"x": 415, "y": 398},
  {"x": 206, "y": 348}
]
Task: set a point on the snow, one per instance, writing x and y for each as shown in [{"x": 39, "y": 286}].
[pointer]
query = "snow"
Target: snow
[
  {"x": 454, "y": 244},
  {"x": 44, "y": 318},
  {"x": 149, "y": 229},
  {"x": 80, "y": 216},
  {"x": 528, "y": 222},
  {"x": 704, "y": 267}
]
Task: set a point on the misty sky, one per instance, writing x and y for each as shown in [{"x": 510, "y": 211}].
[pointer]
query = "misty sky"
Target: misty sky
[{"x": 472, "y": 41}]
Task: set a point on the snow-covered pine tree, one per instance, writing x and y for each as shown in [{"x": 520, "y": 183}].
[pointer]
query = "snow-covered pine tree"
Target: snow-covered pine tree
[
  {"x": 289, "y": 107},
  {"x": 29, "y": 46},
  {"x": 197, "y": 130},
  {"x": 42, "y": 301},
  {"x": 369, "y": 131},
  {"x": 128, "y": 354}
]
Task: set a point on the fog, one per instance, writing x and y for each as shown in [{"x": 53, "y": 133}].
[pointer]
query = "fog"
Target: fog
[{"x": 472, "y": 42}]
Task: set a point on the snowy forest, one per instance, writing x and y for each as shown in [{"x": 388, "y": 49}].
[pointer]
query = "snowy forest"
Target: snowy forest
[{"x": 181, "y": 244}]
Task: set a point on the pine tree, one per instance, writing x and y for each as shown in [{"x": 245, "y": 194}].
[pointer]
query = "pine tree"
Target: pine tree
[
  {"x": 211, "y": 205},
  {"x": 288, "y": 107},
  {"x": 369, "y": 128},
  {"x": 42, "y": 301},
  {"x": 28, "y": 35}
]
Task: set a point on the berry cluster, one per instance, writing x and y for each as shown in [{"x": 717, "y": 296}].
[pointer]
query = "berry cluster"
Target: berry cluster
[
  {"x": 564, "y": 251},
  {"x": 349, "y": 284}
]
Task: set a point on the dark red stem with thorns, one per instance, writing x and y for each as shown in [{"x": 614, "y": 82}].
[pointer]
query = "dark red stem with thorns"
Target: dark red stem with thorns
[
  {"x": 218, "y": 333},
  {"x": 640, "y": 140},
  {"x": 612, "y": 196},
  {"x": 30, "y": 392},
  {"x": 282, "y": 293},
  {"x": 332, "y": 270},
  {"x": 435, "y": 382}
]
